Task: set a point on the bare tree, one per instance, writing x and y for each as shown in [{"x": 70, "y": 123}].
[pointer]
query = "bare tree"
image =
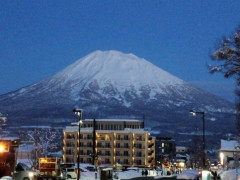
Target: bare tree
[
  {"x": 227, "y": 61},
  {"x": 44, "y": 140}
]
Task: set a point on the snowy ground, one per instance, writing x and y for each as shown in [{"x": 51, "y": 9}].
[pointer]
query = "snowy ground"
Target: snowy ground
[
  {"x": 122, "y": 175},
  {"x": 230, "y": 174},
  {"x": 187, "y": 174}
]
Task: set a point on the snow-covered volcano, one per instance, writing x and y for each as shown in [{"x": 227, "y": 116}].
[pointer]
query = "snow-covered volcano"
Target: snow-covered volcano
[
  {"x": 110, "y": 84},
  {"x": 112, "y": 73},
  {"x": 122, "y": 70}
]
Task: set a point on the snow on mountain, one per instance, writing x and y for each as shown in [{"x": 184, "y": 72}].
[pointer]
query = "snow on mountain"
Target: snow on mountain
[
  {"x": 115, "y": 70},
  {"x": 110, "y": 84},
  {"x": 122, "y": 69}
]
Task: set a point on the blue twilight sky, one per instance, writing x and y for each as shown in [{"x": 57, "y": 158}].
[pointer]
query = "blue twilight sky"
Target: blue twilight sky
[{"x": 40, "y": 37}]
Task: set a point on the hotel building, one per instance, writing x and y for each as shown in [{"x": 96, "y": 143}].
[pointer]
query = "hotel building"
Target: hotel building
[{"x": 115, "y": 141}]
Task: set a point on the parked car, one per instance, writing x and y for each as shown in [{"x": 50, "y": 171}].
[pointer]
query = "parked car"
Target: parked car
[
  {"x": 90, "y": 168},
  {"x": 23, "y": 172},
  {"x": 69, "y": 173},
  {"x": 6, "y": 178}
]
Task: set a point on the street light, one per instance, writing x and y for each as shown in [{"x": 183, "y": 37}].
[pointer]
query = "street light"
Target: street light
[
  {"x": 203, "y": 143},
  {"x": 78, "y": 112}
]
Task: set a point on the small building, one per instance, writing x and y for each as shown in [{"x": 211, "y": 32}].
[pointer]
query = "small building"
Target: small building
[
  {"x": 25, "y": 151},
  {"x": 228, "y": 149},
  {"x": 165, "y": 148},
  {"x": 182, "y": 150}
]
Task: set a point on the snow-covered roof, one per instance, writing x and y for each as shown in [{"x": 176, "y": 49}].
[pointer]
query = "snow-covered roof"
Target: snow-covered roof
[
  {"x": 229, "y": 145},
  {"x": 117, "y": 120},
  {"x": 90, "y": 129},
  {"x": 9, "y": 138},
  {"x": 182, "y": 155},
  {"x": 25, "y": 147}
]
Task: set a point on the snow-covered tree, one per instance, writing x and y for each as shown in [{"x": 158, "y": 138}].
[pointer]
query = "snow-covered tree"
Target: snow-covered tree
[
  {"x": 45, "y": 140},
  {"x": 227, "y": 57},
  {"x": 227, "y": 61},
  {"x": 3, "y": 121}
]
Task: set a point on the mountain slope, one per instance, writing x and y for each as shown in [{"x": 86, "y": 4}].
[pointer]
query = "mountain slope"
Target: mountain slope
[{"x": 110, "y": 84}]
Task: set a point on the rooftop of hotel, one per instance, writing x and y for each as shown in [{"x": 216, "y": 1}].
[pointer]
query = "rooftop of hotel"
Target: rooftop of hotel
[
  {"x": 117, "y": 120},
  {"x": 90, "y": 129}
]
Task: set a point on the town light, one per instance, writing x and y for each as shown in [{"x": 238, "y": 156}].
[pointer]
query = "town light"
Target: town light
[
  {"x": 1, "y": 148},
  {"x": 78, "y": 112},
  {"x": 221, "y": 158},
  {"x": 30, "y": 174},
  {"x": 181, "y": 164},
  {"x": 193, "y": 112}
]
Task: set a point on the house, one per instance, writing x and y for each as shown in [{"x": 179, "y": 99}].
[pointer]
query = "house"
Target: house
[{"x": 228, "y": 150}]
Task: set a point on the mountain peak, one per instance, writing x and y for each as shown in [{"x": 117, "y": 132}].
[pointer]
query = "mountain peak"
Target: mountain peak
[{"x": 119, "y": 68}]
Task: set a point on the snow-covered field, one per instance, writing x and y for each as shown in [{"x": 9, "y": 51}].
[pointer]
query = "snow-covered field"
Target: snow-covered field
[
  {"x": 187, "y": 174},
  {"x": 230, "y": 174},
  {"x": 121, "y": 175}
]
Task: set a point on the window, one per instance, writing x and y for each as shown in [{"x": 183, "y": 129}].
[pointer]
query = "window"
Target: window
[
  {"x": 89, "y": 136},
  {"x": 89, "y": 160},
  {"x": 107, "y": 153},
  {"x": 19, "y": 168},
  {"x": 89, "y": 152},
  {"x": 125, "y": 137},
  {"x": 125, "y": 161},
  {"x": 69, "y": 152},
  {"x": 69, "y": 160},
  {"x": 70, "y": 144},
  {"x": 107, "y": 161},
  {"x": 99, "y": 144},
  {"x": 99, "y": 153},
  {"x": 138, "y": 162},
  {"x": 107, "y": 137},
  {"x": 126, "y": 145},
  {"x": 138, "y": 154},
  {"x": 118, "y": 137},
  {"x": 139, "y": 138},
  {"x": 139, "y": 146},
  {"x": 107, "y": 145},
  {"x": 125, "y": 153},
  {"x": 70, "y": 136}
]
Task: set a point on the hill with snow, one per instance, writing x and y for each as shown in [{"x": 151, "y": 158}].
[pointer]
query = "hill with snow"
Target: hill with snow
[{"x": 111, "y": 84}]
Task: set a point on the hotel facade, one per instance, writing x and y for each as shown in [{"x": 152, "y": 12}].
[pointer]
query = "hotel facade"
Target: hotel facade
[{"x": 113, "y": 141}]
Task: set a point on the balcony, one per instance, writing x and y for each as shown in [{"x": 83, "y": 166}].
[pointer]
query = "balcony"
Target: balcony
[
  {"x": 70, "y": 145},
  {"x": 123, "y": 147},
  {"x": 106, "y": 154},
  {"x": 150, "y": 153},
  {"x": 150, "y": 145},
  {"x": 139, "y": 139}
]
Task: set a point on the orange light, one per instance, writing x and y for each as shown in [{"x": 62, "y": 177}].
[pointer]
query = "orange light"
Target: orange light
[{"x": 1, "y": 148}]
